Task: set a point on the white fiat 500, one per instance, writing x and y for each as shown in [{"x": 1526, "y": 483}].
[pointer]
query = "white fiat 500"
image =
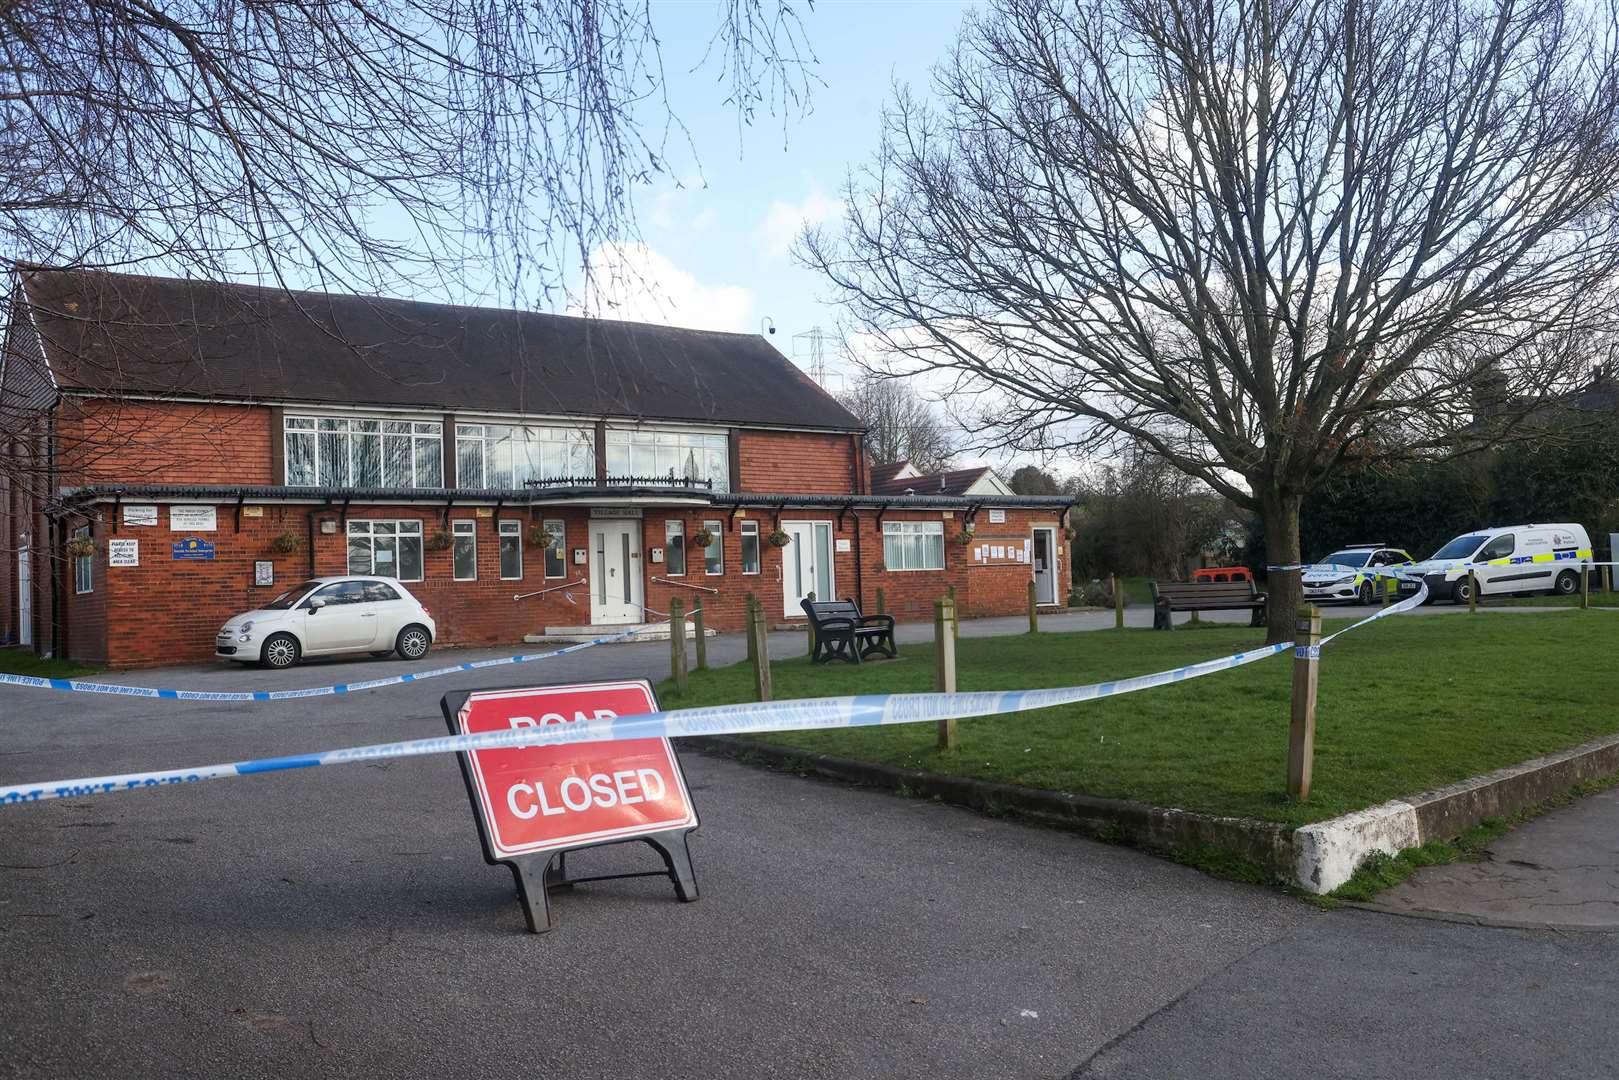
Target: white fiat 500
[{"x": 329, "y": 615}]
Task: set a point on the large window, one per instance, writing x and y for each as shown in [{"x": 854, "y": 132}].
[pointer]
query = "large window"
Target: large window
[
  {"x": 674, "y": 543},
  {"x": 913, "y": 545},
  {"x": 386, "y": 548},
  {"x": 649, "y": 454},
  {"x": 83, "y": 565},
  {"x": 714, "y": 553},
  {"x": 750, "y": 547},
  {"x": 464, "y": 545},
  {"x": 326, "y": 451},
  {"x": 507, "y": 456},
  {"x": 556, "y": 555},
  {"x": 511, "y": 550}
]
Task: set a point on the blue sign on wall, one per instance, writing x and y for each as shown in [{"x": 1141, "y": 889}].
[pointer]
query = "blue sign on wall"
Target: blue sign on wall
[{"x": 193, "y": 547}]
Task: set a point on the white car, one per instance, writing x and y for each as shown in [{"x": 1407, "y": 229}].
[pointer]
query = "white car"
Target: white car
[
  {"x": 1346, "y": 575},
  {"x": 1506, "y": 559},
  {"x": 329, "y": 615}
]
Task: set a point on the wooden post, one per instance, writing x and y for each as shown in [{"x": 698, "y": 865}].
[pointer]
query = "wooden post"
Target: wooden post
[
  {"x": 955, "y": 616},
  {"x": 944, "y": 651},
  {"x": 747, "y": 623},
  {"x": 701, "y": 633},
  {"x": 1118, "y": 601},
  {"x": 677, "y": 643},
  {"x": 1385, "y": 586},
  {"x": 1306, "y": 671},
  {"x": 1034, "y": 611},
  {"x": 761, "y": 653},
  {"x": 1585, "y": 586},
  {"x": 882, "y": 602},
  {"x": 809, "y": 628},
  {"x": 1472, "y": 592}
]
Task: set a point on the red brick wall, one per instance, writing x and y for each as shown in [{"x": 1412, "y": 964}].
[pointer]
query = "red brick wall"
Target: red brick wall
[
  {"x": 795, "y": 462},
  {"x": 135, "y": 442}
]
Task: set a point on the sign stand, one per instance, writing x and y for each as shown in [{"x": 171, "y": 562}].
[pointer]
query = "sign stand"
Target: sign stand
[{"x": 539, "y": 864}]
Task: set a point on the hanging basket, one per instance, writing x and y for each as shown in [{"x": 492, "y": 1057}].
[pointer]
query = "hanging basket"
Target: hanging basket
[
  {"x": 1070, "y": 534},
  {"x": 81, "y": 547},
  {"x": 438, "y": 540},
  {"x": 702, "y": 538},
  {"x": 778, "y": 538},
  {"x": 964, "y": 537},
  {"x": 540, "y": 538},
  {"x": 286, "y": 543}
]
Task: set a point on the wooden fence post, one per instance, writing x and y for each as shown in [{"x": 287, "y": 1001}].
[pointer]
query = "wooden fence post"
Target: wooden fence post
[
  {"x": 1306, "y": 671},
  {"x": 747, "y": 623},
  {"x": 944, "y": 651},
  {"x": 1034, "y": 611},
  {"x": 701, "y": 631},
  {"x": 955, "y": 616},
  {"x": 882, "y": 602},
  {"x": 1472, "y": 592},
  {"x": 1118, "y": 601},
  {"x": 809, "y": 628},
  {"x": 1585, "y": 586},
  {"x": 761, "y": 653},
  {"x": 677, "y": 643},
  {"x": 1385, "y": 586}
]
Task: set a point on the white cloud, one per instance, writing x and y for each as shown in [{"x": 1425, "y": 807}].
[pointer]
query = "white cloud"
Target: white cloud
[
  {"x": 636, "y": 283},
  {"x": 783, "y": 221}
]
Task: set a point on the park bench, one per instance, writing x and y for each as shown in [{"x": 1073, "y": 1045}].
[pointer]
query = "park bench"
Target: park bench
[
  {"x": 1170, "y": 596},
  {"x": 843, "y": 633}
]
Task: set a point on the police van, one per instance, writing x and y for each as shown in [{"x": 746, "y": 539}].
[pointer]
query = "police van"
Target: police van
[{"x": 1507, "y": 559}]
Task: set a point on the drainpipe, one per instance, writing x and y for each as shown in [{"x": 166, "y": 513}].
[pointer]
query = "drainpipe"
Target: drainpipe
[
  {"x": 859, "y": 568},
  {"x": 310, "y": 520}
]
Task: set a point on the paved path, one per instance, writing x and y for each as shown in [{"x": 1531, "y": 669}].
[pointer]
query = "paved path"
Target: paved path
[{"x": 1559, "y": 870}]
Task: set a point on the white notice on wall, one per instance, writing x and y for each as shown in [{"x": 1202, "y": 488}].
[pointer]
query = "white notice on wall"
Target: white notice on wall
[
  {"x": 140, "y": 515},
  {"x": 845, "y": 545},
  {"x": 997, "y": 517},
  {"x": 124, "y": 552},
  {"x": 384, "y": 556},
  {"x": 264, "y": 572},
  {"x": 192, "y": 519}
]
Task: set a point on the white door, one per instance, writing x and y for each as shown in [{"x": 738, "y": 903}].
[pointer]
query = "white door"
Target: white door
[
  {"x": 806, "y": 565},
  {"x": 616, "y": 592},
  {"x": 1045, "y": 566},
  {"x": 25, "y": 597},
  {"x": 346, "y": 621}
]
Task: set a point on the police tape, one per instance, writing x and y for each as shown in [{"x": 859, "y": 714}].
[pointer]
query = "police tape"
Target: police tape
[
  {"x": 122, "y": 690},
  {"x": 869, "y": 710}
]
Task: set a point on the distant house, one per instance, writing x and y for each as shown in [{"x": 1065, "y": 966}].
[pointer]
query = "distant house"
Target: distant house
[{"x": 902, "y": 478}]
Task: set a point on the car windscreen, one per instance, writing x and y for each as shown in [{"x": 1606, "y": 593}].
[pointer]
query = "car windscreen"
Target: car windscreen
[
  {"x": 1347, "y": 558},
  {"x": 285, "y": 601},
  {"x": 1461, "y": 547}
]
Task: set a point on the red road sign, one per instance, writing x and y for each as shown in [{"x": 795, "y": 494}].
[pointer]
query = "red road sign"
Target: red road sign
[{"x": 542, "y": 798}]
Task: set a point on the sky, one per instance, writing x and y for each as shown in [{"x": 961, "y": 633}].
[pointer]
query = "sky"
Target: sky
[{"x": 716, "y": 237}]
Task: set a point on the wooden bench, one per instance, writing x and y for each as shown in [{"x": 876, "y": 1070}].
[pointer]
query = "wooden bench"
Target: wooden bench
[
  {"x": 1169, "y": 596},
  {"x": 843, "y": 633}
]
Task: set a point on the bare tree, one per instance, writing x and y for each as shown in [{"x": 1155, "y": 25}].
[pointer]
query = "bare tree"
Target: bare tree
[
  {"x": 1260, "y": 239},
  {"x": 900, "y": 425}
]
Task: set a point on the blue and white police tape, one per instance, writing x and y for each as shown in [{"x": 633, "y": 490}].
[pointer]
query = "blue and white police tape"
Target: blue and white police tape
[
  {"x": 1410, "y": 603},
  {"x": 811, "y": 713},
  {"x": 121, "y": 690}
]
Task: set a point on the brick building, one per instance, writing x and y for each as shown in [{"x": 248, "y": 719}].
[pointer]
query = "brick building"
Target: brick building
[{"x": 176, "y": 452}]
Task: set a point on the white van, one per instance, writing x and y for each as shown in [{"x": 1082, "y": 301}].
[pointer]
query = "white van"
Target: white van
[{"x": 1507, "y": 559}]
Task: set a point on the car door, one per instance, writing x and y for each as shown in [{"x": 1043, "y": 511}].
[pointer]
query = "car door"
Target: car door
[
  {"x": 393, "y": 611},
  {"x": 345, "y": 621},
  {"x": 1496, "y": 579}
]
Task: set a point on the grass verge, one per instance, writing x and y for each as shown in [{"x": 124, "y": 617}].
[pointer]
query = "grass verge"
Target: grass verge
[
  {"x": 15, "y": 660},
  {"x": 1405, "y": 705}
]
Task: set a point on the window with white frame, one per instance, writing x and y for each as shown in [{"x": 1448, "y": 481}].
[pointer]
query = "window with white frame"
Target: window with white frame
[
  {"x": 674, "y": 547},
  {"x": 464, "y": 549},
  {"x": 913, "y": 545},
  {"x": 509, "y": 456},
  {"x": 750, "y": 547},
  {"x": 511, "y": 550},
  {"x": 653, "y": 454},
  {"x": 386, "y": 548},
  {"x": 83, "y": 565},
  {"x": 556, "y": 554},
  {"x": 338, "y": 451},
  {"x": 714, "y": 553}
]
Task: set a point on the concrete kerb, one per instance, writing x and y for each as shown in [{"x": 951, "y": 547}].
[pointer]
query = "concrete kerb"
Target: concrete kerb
[{"x": 1318, "y": 858}]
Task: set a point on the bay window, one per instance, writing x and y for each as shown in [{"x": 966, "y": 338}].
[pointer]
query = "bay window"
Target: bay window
[
  {"x": 670, "y": 456},
  {"x": 386, "y": 548},
  {"x": 363, "y": 452},
  {"x": 913, "y": 545},
  {"x": 509, "y": 456}
]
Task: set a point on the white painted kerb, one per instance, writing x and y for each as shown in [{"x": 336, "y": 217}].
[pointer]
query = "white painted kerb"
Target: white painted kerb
[{"x": 1327, "y": 853}]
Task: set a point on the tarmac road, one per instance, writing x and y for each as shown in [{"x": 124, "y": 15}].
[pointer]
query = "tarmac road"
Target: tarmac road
[{"x": 341, "y": 922}]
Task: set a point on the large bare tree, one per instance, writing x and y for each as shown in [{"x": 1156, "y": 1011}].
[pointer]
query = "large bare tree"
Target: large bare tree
[
  {"x": 900, "y": 424},
  {"x": 1259, "y": 237}
]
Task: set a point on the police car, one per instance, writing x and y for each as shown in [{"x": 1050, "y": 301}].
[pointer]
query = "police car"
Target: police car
[{"x": 1347, "y": 576}]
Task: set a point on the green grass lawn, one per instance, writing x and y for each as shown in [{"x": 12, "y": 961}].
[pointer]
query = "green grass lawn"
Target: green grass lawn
[
  {"x": 1405, "y": 704},
  {"x": 20, "y": 661}
]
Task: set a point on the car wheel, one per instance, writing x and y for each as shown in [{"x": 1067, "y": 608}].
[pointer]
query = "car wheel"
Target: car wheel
[
  {"x": 1367, "y": 596},
  {"x": 413, "y": 642},
  {"x": 1462, "y": 591},
  {"x": 280, "y": 651},
  {"x": 379, "y": 654}
]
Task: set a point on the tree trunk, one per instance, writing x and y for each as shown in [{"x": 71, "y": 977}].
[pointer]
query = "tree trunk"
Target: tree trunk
[{"x": 1280, "y": 514}]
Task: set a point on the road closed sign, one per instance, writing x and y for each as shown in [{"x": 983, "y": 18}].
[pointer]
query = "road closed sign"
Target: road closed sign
[{"x": 533, "y": 799}]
